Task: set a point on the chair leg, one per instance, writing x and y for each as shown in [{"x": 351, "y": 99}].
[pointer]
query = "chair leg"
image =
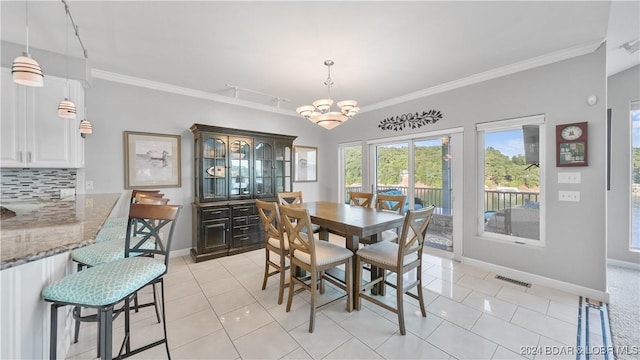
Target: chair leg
[
  {"x": 77, "y": 310},
  {"x": 164, "y": 320},
  {"x": 155, "y": 302},
  {"x": 106, "y": 326},
  {"x": 399, "y": 300},
  {"x": 266, "y": 269},
  {"x": 53, "y": 336},
  {"x": 292, "y": 272},
  {"x": 282, "y": 275},
  {"x": 314, "y": 294},
  {"x": 349, "y": 283},
  {"x": 420, "y": 293}
]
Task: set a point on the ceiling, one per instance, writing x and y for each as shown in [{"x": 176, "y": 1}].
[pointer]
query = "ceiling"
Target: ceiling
[{"x": 383, "y": 51}]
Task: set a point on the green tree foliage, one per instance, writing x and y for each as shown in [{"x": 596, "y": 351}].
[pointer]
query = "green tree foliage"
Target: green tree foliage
[
  {"x": 353, "y": 165},
  {"x": 500, "y": 170},
  {"x": 636, "y": 165}
]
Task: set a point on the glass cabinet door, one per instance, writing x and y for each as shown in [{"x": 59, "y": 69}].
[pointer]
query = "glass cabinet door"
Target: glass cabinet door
[
  {"x": 283, "y": 167},
  {"x": 240, "y": 168},
  {"x": 263, "y": 157},
  {"x": 214, "y": 168}
]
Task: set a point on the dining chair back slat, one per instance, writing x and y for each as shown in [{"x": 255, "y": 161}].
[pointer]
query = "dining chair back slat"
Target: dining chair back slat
[
  {"x": 290, "y": 198},
  {"x": 363, "y": 199}
]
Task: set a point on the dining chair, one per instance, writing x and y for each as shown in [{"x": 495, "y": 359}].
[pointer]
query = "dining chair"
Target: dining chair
[
  {"x": 294, "y": 198},
  {"x": 399, "y": 258},
  {"x": 360, "y": 198},
  {"x": 275, "y": 241},
  {"x": 391, "y": 203},
  {"x": 308, "y": 253},
  {"x": 104, "y": 286}
]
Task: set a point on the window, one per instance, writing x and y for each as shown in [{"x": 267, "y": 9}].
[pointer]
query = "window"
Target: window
[
  {"x": 511, "y": 182},
  {"x": 351, "y": 168},
  {"x": 635, "y": 176}
]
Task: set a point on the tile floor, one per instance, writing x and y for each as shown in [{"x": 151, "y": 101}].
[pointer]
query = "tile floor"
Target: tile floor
[{"x": 217, "y": 310}]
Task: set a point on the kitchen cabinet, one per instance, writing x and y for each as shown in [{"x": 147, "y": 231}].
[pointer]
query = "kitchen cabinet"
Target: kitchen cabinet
[
  {"x": 233, "y": 167},
  {"x": 32, "y": 134}
]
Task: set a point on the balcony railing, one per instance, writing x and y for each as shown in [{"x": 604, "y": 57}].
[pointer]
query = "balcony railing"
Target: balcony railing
[{"x": 494, "y": 200}]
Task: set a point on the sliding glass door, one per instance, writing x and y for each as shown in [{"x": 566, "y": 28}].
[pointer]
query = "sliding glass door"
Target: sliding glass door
[{"x": 421, "y": 169}]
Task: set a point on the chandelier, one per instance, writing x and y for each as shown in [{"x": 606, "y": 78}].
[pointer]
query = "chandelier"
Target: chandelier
[{"x": 320, "y": 112}]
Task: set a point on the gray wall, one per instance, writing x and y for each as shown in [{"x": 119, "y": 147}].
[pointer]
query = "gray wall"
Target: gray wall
[
  {"x": 575, "y": 232},
  {"x": 622, "y": 88},
  {"x": 114, "y": 108}
]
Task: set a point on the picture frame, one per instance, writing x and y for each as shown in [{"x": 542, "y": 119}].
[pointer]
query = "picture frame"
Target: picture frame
[
  {"x": 151, "y": 160},
  {"x": 572, "y": 144},
  {"x": 305, "y": 164}
]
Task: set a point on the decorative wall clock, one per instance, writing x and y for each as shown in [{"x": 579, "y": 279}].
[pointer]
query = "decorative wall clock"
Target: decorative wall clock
[{"x": 571, "y": 144}]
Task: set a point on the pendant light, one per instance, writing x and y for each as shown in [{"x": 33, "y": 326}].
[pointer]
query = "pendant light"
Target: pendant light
[
  {"x": 67, "y": 109},
  {"x": 85, "y": 125},
  {"x": 25, "y": 70}
]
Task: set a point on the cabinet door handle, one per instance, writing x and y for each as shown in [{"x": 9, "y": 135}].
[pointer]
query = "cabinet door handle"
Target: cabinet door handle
[
  {"x": 216, "y": 212},
  {"x": 244, "y": 238},
  {"x": 244, "y": 228},
  {"x": 245, "y": 209},
  {"x": 29, "y": 156},
  {"x": 20, "y": 156}
]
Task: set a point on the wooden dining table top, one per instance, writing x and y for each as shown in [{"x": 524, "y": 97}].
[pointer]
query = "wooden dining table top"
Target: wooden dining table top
[{"x": 350, "y": 220}]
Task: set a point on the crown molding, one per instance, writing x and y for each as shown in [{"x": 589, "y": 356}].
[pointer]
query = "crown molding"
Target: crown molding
[
  {"x": 155, "y": 85},
  {"x": 535, "y": 62}
]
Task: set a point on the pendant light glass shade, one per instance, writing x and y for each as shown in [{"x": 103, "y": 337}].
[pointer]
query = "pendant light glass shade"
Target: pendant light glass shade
[
  {"x": 67, "y": 109},
  {"x": 85, "y": 128},
  {"x": 25, "y": 70}
]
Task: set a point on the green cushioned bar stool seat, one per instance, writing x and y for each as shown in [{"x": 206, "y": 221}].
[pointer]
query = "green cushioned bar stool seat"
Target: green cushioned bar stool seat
[
  {"x": 106, "y": 251},
  {"x": 105, "y": 284}
]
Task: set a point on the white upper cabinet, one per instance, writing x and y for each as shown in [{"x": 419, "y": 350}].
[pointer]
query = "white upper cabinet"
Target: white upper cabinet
[{"x": 32, "y": 134}]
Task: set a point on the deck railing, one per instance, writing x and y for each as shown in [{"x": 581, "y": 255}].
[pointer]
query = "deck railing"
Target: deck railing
[{"x": 494, "y": 200}]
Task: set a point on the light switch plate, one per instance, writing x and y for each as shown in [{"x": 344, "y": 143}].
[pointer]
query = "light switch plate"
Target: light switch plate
[
  {"x": 568, "y": 178},
  {"x": 569, "y": 196}
]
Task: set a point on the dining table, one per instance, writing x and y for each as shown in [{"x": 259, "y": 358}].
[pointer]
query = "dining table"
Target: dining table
[{"x": 352, "y": 222}]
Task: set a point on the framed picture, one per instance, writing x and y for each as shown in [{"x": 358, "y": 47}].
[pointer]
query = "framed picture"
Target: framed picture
[
  {"x": 572, "y": 144},
  {"x": 306, "y": 164},
  {"x": 151, "y": 160}
]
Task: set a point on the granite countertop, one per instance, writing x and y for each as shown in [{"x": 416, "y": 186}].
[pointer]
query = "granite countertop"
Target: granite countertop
[{"x": 45, "y": 228}]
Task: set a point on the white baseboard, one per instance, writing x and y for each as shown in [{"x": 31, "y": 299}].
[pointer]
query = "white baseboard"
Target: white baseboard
[
  {"x": 540, "y": 280},
  {"x": 624, "y": 264},
  {"x": 181, "y": 252}
]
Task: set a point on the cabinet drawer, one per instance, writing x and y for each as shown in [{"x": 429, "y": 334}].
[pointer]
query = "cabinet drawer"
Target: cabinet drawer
[
  {"x": 244, "y": 210},
  {"x": 246, "y": 240},
  {"x": 246, "y": 229},
  {"x": 246, "y": 220},
  {"x": 215, "y": 213}
]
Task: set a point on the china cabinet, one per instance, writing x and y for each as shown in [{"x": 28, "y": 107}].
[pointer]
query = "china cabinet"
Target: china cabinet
[
  {"x": 33, "y": 136},
  {"x": 233, "y": 167}
]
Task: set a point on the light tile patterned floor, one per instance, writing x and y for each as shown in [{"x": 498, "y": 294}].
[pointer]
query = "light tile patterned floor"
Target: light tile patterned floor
[{"x": 217, "y": 310}]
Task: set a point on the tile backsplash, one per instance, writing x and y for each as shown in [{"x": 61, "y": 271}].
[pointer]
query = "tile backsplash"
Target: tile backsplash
[{"x": 28, "y": 184}]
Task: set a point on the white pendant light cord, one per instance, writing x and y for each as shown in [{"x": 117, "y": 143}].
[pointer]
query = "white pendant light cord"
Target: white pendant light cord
[{"x": 27, "y": 23}]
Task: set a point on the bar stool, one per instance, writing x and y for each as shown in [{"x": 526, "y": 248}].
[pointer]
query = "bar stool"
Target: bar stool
[
  {"x": 104, "y": 286},
  {"x": 111, "y": 247}
]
